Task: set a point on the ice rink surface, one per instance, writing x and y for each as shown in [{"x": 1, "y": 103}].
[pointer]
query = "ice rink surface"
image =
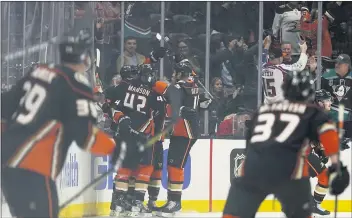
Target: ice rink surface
[
  {"x": 259, "y": 215},
  {"x": 5, "y": 213}
]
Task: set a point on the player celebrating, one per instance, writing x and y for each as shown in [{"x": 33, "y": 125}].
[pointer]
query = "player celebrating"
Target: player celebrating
[
  {"x": 274, "y": 73},
  {"x": 317, "y": 159},
  {"x": 134, "y": 104},
  {"x": 184, "y": 134},
  {"x": 276, "y": 152},
  {"x": 46, "y": 111}
]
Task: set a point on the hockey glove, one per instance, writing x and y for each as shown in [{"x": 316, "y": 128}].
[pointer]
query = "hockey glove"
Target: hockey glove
[
  {"x": 124, "y": 125},
  {"x": 157, "y": 54},
  {"x": 129, "y": 148},
  {"x": 187, "y": 113},
  {"x": 338, "y": 182},
  {"x": 321, "y": 154},
  {"x": 346, "y": 144}
]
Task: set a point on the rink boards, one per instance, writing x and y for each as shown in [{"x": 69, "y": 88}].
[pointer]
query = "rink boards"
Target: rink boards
[{"x": 208, "y": 173}]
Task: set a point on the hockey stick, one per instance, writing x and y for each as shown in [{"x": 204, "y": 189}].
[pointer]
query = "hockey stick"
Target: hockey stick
[
  {"x": 341, "y": 111},
  {"x": 170, "y": 51},
  {"x": 99, "y": 178},
  {"x": 30, "y": 50},
  {"x": 117, "y": 166}
]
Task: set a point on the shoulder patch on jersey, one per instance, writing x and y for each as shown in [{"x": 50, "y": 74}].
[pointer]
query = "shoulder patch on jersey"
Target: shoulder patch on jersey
[{"x": 82, "y": 79}]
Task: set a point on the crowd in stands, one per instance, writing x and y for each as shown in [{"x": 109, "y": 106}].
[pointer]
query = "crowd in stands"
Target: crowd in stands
[{"x": 233, "y": 46}]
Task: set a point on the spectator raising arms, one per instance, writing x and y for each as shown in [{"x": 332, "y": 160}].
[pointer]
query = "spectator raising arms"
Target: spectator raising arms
[
  {"x": 130, "y": 56},
  {"x": 286, "y": 24}
]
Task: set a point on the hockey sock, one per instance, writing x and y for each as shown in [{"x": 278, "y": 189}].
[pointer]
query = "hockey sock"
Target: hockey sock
[
  {"x": 321, "y": 188},
  {"x": 154, "y": 185},
  {"x": 131, "y": 185},
  {"x": 121, "y": 179},
  {"x": 176, "y": 178},
  {"x": 142, "y": 181}
]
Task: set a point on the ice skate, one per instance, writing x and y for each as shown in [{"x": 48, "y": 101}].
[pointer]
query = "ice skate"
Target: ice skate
[
  {"x": 117, "y": 206},
  {"x": 170, "y": 209},
  {"x": 139, "y": 210},
  {"x": 317, "y": 209},
  {"x": 152, "y": 206}
]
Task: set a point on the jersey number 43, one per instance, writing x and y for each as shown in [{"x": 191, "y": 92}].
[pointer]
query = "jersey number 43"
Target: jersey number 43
[{"x": 263, "y": 130}]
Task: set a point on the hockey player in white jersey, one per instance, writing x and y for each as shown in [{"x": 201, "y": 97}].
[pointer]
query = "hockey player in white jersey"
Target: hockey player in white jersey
[
  {"x": 274, "y": 72},
  {"x": 286, "y": 24}
]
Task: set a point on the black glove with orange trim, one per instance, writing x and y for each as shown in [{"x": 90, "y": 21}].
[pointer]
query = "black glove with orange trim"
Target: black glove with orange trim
[{"x": 338, "y": 181}]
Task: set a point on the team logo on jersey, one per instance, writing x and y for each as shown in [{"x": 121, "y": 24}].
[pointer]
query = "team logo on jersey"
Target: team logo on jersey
[
  {"x": 340, "y": 91},
  {"x": 236, "y": 162}
]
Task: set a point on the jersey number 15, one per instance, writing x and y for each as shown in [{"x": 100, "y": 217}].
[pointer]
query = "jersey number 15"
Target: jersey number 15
[{"x": 269, "y": 87}]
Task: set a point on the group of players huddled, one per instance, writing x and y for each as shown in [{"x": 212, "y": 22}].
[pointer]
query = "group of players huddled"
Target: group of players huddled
[
  {"x": 138, "y": 106},
  {"x": 53, "y": 106}
]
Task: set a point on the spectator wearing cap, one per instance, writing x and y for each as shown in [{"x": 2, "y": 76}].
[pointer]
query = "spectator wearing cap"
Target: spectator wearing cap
[{"x": 338, "y": 82}]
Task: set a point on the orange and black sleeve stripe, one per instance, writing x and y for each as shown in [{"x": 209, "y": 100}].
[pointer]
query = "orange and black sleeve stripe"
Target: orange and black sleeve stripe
[
  {"x": 160, "y": 87},
  {"x": 329, "y": 138},
  {"x": 98, "y": 142}
]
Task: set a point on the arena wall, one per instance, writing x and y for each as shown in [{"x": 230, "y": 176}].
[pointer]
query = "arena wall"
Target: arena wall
[{"x": 208, "y": 173}]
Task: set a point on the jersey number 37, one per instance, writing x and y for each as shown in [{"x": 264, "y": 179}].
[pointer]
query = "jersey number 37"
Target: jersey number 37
[{"x": 263, "y": 130}]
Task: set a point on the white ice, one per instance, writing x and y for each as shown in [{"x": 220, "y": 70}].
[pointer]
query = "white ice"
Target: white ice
[{"x": 5, "y": 213}]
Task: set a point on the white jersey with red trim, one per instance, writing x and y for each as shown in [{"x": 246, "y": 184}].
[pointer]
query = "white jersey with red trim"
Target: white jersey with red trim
[{"x": 273, "y": 77}]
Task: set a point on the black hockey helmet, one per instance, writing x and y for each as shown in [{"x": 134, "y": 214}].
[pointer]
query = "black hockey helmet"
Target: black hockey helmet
[
  {"x": 75, "y": 49},
  {"x": 322, "y": 94},
  {"x": 129, "y": 72},
  {"x": 298, "y": 86},
  {"x": 147, "y": 75}
]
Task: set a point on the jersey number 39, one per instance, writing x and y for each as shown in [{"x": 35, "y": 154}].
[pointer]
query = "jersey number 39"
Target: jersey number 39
[
  {"x": 263, "y": 131},
  {"x": 31, "y": 102}
]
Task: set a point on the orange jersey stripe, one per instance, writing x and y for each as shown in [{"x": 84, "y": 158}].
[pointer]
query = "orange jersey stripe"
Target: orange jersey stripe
[
  {"x": 41, "y": 152},
  {"x": 330, "y": 141},
  {"x": 99, "y": 143}
]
